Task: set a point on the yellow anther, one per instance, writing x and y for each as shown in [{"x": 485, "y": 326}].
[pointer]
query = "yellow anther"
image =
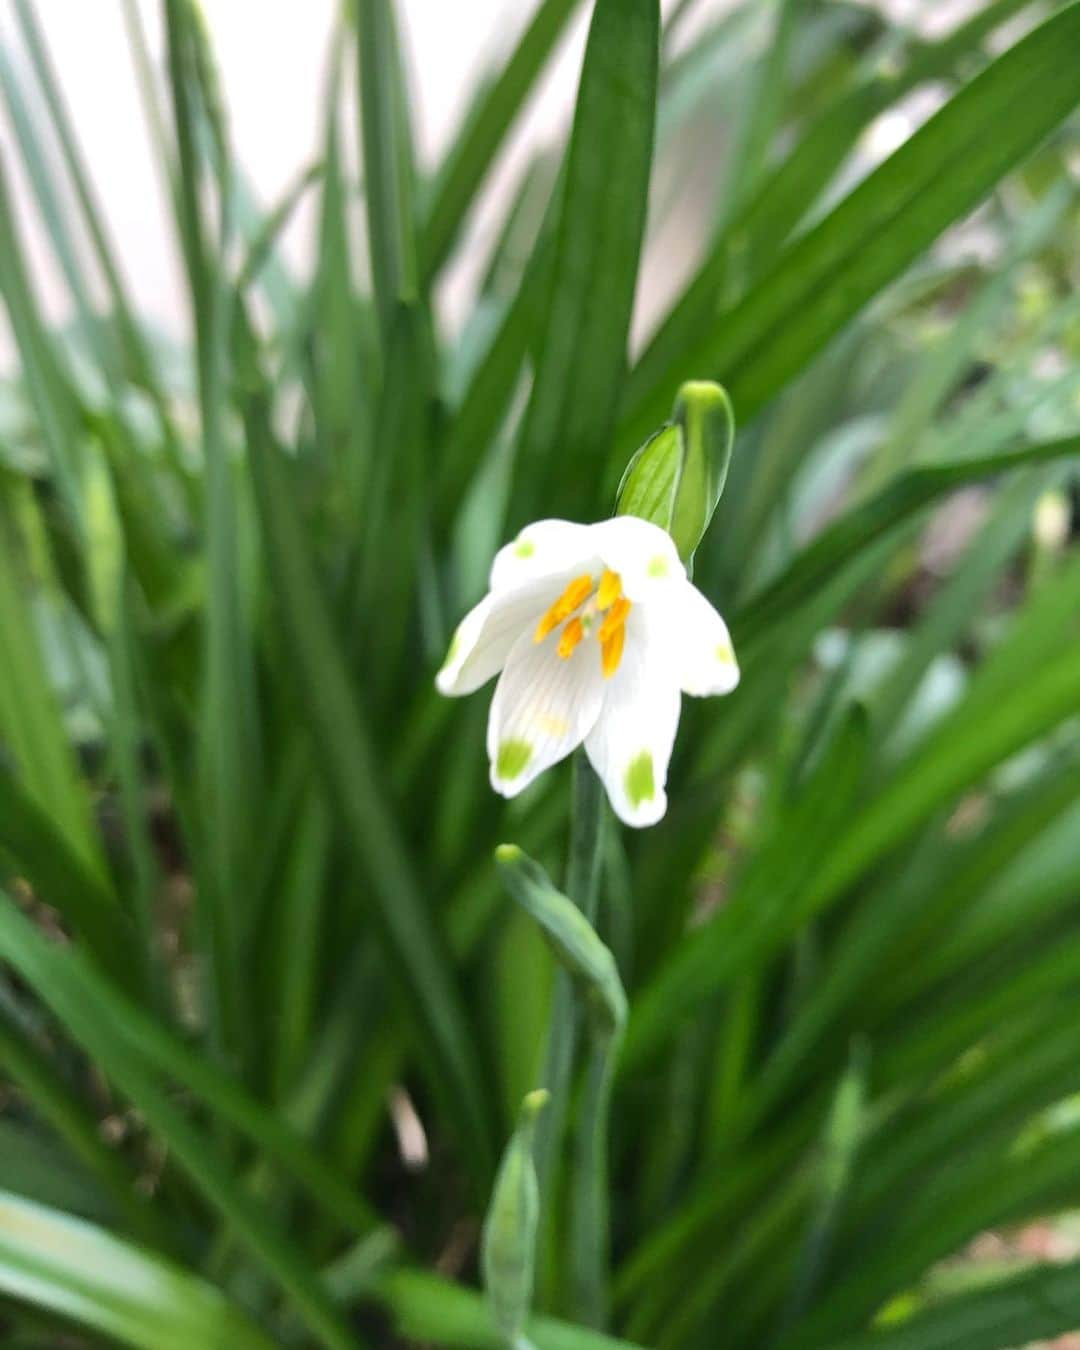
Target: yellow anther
[
  {"x": 575, "y": 594},
  {"x": 571, "y": 636},
  {"x": 610, "y": 590},
  {"x": 611, "y": 649},
  {"x": 614, "y": 618}
]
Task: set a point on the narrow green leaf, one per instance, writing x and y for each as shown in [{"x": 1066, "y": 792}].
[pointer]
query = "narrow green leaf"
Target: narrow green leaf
[
  {"x": 426, "y": 1308},
  {"x": 827, "y": 276},
  {"x": 31, "y": 842},
  {"x": 708, "y": 957},
  {"x": 907, "y": 494},
  {"x": 348, "y": 760},
  {"x": 42, "y": 176},
  {"x": 54, "y": 1102},
  {"x": 134, "y": 345},
  {"x": 582, "y": 352},
  {"x": 44, "y": 371},
  {"x": 487, "y": 398},
  {"x": 50, "y": 970},
  {"x": 229, "y": 752},
  {"x": 1035, "y": 1305},
  {"x": 81, "y": 1272},
  {"x": 387, "y": 160},
  {"x": 785, "y": 195},
  {"x": 128, "y": 1029},
  {"x": 31, "y": 724},
  {"x": 462, "y": 173},
  {"x": 1008, "y": 1185}
]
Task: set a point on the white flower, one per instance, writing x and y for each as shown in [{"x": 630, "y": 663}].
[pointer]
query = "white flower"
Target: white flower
[{"x": 598, "y": 633}]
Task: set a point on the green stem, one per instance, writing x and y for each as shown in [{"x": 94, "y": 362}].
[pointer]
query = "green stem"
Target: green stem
[
  {"x": 582, "y": 872},
  {"x": 590, "y": 1225}
]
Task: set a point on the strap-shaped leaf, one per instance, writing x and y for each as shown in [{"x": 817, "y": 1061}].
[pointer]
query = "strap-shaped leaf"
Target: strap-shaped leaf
[
  {"x": 828, "y": 275},
  {"x": 79, "y": 1271},
  {"x": 582, "y": 352}
]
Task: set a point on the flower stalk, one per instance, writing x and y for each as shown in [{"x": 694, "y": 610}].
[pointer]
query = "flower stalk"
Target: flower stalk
[
  {"x": 582, "y": 877},
  {"x": 590, "y": 966}
]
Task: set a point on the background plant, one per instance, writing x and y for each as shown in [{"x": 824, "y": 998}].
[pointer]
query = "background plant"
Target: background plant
[{"x": 250, "y": 923}]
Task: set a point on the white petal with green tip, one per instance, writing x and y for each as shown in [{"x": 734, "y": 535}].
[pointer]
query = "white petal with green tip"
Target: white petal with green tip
[
  {"x": 630, "y": 745},
  {"x": 701, "y": 643},
  {"x": 643, "y": 554},
  {"x": 543, "y": 708}
]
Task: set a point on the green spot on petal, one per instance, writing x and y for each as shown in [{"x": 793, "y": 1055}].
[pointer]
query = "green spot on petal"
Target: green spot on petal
[
  {"x": 725, "y": 654},
  {"x": 512, "y": 759},
  {"x": 658, "y": 566},
  {"x": 524, "y": 548},
  {"x": 640, "y": 783}
]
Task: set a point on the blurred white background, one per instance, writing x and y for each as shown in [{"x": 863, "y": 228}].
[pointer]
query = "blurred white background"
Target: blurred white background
[{"x": 272, "y": 56}]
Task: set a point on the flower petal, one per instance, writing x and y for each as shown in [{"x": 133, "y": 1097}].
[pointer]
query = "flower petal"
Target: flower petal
[
  {"x": 643, "y": 554},
  {"x": 700, "y": 643},
  {"x": 544, "y": 548},
  {"x": 544, "y": 707},
  {"x": 484, "y": 637},
  {"x": 630, "y": 745}
]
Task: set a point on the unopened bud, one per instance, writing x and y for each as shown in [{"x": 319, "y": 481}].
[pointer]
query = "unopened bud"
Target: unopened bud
[
  {"x": 676, "y": 478},
  {"x": 508, "y": 1245}
]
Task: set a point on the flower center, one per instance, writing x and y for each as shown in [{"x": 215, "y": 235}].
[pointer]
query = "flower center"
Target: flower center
[{"x": 589, "y": 601}]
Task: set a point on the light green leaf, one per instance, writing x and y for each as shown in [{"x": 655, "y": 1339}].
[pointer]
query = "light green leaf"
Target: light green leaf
[{"x": 81, "y": 1272}]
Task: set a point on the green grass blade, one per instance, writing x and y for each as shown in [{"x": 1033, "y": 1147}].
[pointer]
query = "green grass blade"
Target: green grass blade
[
  {"x": 462, "y": 173},
  {"x": 762, "y": 112},
  {"x": 387, "y": 161},
  {"x": 701, "y": 962},
  {"x": 428, "y": 1309},
  {"x": 229, "y": 753},
  {"x": 141, "y": 361},
  {"x": 31, "y": 842},
  {"x": 786, "y": 193},
  {"x": 949, "y": 615},
  {"x": 73, "y": 1124},
  {"x": 824, "y": 279},
  {"x": 122, "y": 1029},
  {"x": 41, "y": 174},
  {"x": 906, "y": 495},
  {"x": 31, "y": 723},
  {"x": 1035, "y": 1304},
  {"x": 488, "y": 395},
  {"x": 47, "y": 381},
  {"x": 47, "y": 969},
  {"x": 81, "y": 1272},
  {"x": 582, "y": 352},
  {"x": 359, "y": 792}
]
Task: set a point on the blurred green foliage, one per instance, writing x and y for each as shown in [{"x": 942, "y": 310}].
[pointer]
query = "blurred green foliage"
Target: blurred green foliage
[{"x": 266, "y": 1014}]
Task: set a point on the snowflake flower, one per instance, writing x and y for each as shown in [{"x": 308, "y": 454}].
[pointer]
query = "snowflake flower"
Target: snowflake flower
[{"x": 597, "y": 633}]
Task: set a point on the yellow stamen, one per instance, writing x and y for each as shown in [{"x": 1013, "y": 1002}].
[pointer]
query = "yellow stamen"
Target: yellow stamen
[
  {"x": 578, "y": 591},
  {"x": 614, "y": 618},
  {"x": 610, "y": 590},
  {"x": 571, "y": 636},
  {"x": 611, "y": 649}
]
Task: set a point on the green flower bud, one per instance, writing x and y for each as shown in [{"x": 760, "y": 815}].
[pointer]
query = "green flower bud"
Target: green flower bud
[
  {"x": 508, "y": 1243},
  {"x": 651, "y": 479},
  {"x": 676, "y": 478}
]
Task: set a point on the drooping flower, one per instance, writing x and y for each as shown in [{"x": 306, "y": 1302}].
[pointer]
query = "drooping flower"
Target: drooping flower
[{"x": 597, "y": 633}]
